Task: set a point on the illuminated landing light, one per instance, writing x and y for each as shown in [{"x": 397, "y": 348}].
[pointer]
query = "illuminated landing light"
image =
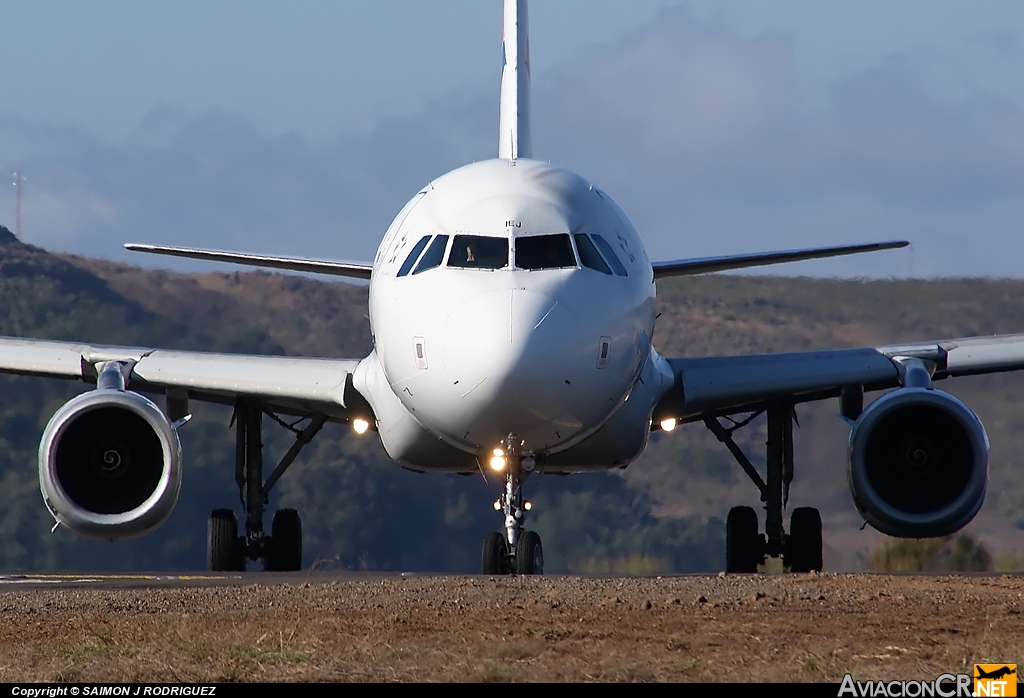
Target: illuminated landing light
[
  {"x": 498, "y": 463},
  {"x": 360, "y": 425},
  {"x": 497, "y": 505},
  {"x": 668, "y": 424},
  {"x": 528, "y": 505}
]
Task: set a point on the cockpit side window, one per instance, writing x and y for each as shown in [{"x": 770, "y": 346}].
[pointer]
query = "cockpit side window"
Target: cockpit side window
[
  {"x": 478, "y": 252},
  {"x": 589, "y": 256},
  {"x": 413, "y": 256},
  {"x": 609, "y": 254},
  {"x": 433, "y": 256},
  {"x": 545, "y": 252}
]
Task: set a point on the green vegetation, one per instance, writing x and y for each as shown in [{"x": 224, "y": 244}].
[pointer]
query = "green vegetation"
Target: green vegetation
[
  {"x": 960, "y": 553},
  {"x": 361, "y": 511}
]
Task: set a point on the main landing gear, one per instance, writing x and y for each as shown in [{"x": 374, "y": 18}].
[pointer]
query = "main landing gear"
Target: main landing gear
[
  {"x": 515, "y": 550},
  {"x": 745, "y": 547},
  {"x": 282, "y": 549}
]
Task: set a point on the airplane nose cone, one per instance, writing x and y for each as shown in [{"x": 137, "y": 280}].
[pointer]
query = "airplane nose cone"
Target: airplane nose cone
[{"x": 513, "y": 360}]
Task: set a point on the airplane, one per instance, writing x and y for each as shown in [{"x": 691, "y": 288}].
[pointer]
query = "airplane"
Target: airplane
[
  {"x": 511, "y": 307},
  {"x": 995, "y": 673}
]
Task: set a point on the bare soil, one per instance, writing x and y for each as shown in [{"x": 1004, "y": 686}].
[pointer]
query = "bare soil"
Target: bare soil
[{"x": 696, "y": 628}]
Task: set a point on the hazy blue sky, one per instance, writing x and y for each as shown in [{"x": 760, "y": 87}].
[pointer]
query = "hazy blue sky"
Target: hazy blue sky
[{"x": 719, "y": 126}]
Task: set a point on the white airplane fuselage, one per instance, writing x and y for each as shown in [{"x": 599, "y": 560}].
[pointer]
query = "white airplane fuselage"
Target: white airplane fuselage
[{"x": 491, "y": 316}]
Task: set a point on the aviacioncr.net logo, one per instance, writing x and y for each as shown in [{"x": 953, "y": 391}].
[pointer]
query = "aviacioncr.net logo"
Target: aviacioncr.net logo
[
  {"x": 945, "y": 686},
  {"x": 995, "y": 680}
]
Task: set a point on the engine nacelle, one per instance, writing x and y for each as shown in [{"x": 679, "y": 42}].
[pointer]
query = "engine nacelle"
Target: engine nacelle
[
  {"x": 110, "y": 465},
  {"x": 918, "y": 463}
]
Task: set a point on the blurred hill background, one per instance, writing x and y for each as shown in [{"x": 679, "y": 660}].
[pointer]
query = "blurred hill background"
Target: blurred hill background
[{"x": 664, "y": 513}]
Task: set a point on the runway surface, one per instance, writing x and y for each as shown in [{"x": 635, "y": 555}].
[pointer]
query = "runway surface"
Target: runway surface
[
  {"x": 179, "y": 580},
  {"x": 197, "y": 579}
]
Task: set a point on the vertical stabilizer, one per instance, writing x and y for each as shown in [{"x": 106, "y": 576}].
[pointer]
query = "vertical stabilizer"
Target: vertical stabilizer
[{"x": 515, "y": 139}]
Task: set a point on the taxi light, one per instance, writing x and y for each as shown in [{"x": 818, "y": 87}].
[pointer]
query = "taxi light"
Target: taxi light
[
  {"x": 497, "y": 505},
  {"x": 498, "y": 452},
  {"x": 498, "y": 463},
  {"x": 528, "y": 505},
  {"x": 668, "y": 424},
  {"x": 360, "y": 425}
]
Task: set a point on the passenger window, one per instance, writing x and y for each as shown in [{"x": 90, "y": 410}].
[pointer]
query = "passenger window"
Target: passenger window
[
  {"x": 589, "y": 256},
  {"x": 433, "y": 256},
  {"x": 478, "y": 252},
  {"x": 545, "y": 252},
  {"x": 609, "y": 254},
  {"x": 413, "y": 256}
]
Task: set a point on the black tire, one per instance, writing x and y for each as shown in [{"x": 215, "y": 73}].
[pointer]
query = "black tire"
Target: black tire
[
  {"x": 529, "y": 554},
  {"x": 742, "y": 542},
  {"x": 222, "y": 542},
  {"x": 803, "y": 552},
  {"x": 284, "y": 547},
  {"x": 494, "y": 556}
]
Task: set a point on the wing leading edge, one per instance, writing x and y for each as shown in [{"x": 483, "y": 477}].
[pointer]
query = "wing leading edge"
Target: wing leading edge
[
  {"x": 706, "y": 265},
  {"x": 289, "y": 384},
  {"x": 355, "y": 270},
  {"x": 724, "y": 384}
]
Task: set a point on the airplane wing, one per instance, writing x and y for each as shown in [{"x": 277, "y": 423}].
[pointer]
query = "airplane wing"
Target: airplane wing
[
  {"x": 706, "y": 265},
  {"x": 729, "y": 384},
  {"x": 291, "y": 385},
  {"x": 355, "y": 270}
]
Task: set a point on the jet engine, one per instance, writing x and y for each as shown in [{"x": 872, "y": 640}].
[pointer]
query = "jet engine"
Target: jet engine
[
  {"x": 110, "y": 465},
  {"x": 918, "y": 463}
]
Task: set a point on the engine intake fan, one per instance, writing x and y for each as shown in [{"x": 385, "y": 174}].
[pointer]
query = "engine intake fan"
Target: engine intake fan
[
  {"x": 918, "y": 463},
  {"x": 110, "y": 465}
]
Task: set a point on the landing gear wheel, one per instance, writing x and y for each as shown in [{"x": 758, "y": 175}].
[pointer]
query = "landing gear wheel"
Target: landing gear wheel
[
  {"x": 804, "y": 549},
  {"x": 742, "y": 542},
  {"x": 222, "y": 550},
  {"x": 494, "y": 557},
  {"x": 284, "y": 548},
  {"x": 529, "y": 554}
]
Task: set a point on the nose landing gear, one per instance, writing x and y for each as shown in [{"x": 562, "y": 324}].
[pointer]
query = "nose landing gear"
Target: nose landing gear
[{"x": 516, "y": 550}]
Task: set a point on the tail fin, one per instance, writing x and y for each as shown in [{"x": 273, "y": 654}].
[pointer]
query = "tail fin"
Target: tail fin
[{"x": 515, "y": 139}]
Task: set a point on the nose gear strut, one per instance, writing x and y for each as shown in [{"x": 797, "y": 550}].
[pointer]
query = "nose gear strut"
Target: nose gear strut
[{"x": 517, "y": 551}]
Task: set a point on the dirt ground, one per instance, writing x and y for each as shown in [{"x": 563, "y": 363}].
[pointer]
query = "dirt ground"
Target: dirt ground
[{"x": 769, "y": 627}]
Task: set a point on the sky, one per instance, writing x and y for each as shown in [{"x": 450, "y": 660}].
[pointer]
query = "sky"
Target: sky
[{"x": 720, "y": 127}]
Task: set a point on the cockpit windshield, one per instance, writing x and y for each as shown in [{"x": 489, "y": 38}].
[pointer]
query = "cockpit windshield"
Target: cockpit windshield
[
  {"x": 478, "y": 252},
  {"x": 545, "y": 252}
]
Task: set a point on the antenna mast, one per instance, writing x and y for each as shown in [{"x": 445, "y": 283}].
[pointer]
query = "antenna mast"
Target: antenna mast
[{"x": 18, "y": 179}]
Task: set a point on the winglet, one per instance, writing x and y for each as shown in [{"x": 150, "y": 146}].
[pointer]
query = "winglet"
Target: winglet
[{"x": 514, "y": 137}]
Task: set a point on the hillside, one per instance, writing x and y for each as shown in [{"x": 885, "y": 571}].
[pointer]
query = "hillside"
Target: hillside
[{"x": 360, "y": 510}]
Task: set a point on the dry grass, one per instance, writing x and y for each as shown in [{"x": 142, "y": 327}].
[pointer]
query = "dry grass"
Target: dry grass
[{"x": 753, "y": 628}]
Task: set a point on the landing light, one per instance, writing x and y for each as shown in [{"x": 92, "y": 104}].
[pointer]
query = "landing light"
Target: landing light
[
  {"x": 528, "y": 505},
  {"x": 668, "y": 424},
  {"x": 498, "y": 463},
  {"x": 360, "y": 425},
  {"x": 497, "y": 505},
  {"x": 498, "y": 452}
]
